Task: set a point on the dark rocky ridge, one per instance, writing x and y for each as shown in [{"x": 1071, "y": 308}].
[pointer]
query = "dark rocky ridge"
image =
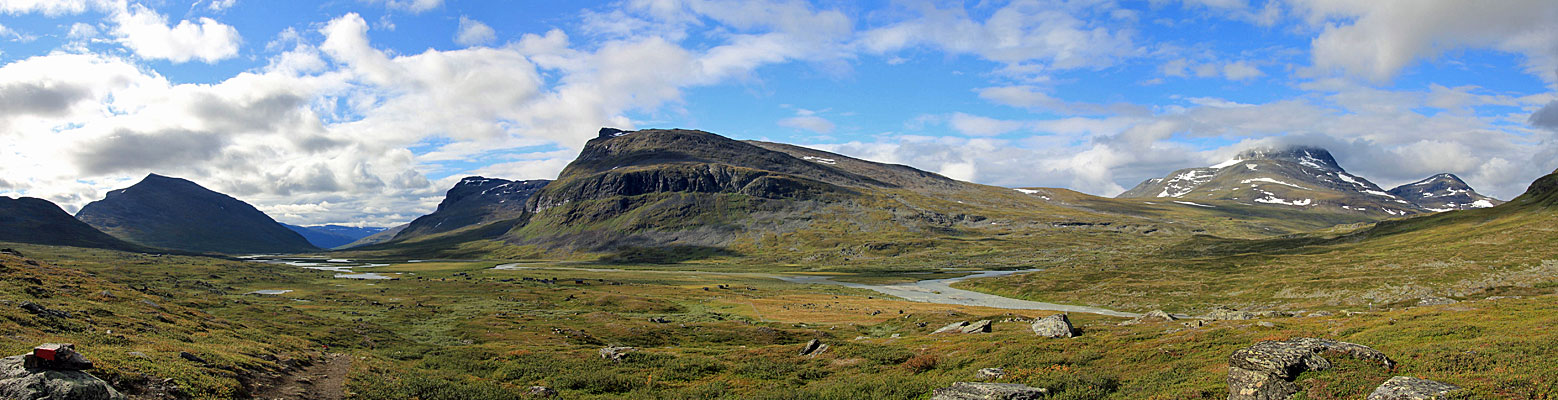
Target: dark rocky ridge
[
  {"x": 178, "y": 214},
  {"x": 474, "y": 201},
  {"x": 1444, "y": 192},
  {"x": 39, "y": 221}
]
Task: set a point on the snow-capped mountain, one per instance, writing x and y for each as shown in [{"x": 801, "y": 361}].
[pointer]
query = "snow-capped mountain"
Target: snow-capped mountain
[
  {"x": 1292, "y": 177},
  {"x": 1444, "y": 192}
]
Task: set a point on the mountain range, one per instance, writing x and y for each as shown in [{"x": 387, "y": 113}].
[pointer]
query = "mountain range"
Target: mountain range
[
  {"x": 333, "y": 236},
  {"x": 1308, "y": 177}
]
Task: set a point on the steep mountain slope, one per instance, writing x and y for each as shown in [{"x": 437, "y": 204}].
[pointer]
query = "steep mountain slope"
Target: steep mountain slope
[
  {"x": 332, "y": 236},
  {"x": 1444, "y": 192},
  {"x": 474, "y": 201},
  {"x": 38, "y": 221},
  {"x": 178, "y": 214},
  {"x": 1304, "y": 177}
]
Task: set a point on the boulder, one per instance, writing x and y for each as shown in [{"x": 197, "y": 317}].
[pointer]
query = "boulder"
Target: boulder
[
  {"x": 615, "y": 353},
  {"x": 986, "y": 374},
  {"x": 982, "y": 326},
  {"x": 1409, "y": 388},
  {"x": 1055, "y": 326},
  {"x": 19, "y": 382},
  {"x": 814, "y": 347},
  {"x": 988, "y": 391},
  {"x": 43, "y": 311},
  {"x": 56, "y": 356},
  {"x": 1266, "y": 370},
  {"x": 1150, "y": 316},
  {"x": 1229, "y": 314},
  {"x": 541, "y": 392},
  {"x": 952, "y": 327}
]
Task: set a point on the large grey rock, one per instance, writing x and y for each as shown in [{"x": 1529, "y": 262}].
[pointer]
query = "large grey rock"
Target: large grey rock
[
  {"x": 1265, "y": 371},
  {"x": 615, "y": 353},
  {"x": 982, "y": 326},
  {"x": 1409, "y": 388},
  {"x": 952, "y": 327},
  {"x": 541, "y": 392},
  {"x": 1055, "y": 326},
  {"x": 20, "y": 383},
  {"x": 813, "y": 347},
  {"x": 1151, "y": 316},
  {"x": 988, "y": 391}
]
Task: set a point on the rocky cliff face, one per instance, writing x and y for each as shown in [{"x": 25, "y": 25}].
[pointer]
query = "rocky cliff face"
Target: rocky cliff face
[
  {"x": 474, "y": 201},
  {"x": 178, "y": 214},
  {"x": 1444, "y": 192}
]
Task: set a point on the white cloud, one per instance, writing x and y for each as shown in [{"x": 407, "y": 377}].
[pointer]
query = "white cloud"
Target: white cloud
[
  {"x": 1028, "y": 36},
  {"x": 473, "y": 32},
  {"x": 47, "y": 7},
  {"x": 1377, "y": 39},
  {"x": 808, "y": 122},
  {"x": 148, "y": 34},
  {"x": 1239, "y": 71},
  {"x": 412, "y": 6},
  {"x": 220, "y": 5}
]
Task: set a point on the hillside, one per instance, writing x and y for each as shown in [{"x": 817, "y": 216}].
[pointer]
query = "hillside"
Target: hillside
[
  {"x": 1297, "y": 177},
  {"x": 38, "y": 221},
  {"x": 178, "y": 214}
]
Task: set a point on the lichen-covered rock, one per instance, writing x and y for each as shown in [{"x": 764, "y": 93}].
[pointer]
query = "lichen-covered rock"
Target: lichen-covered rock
[
  {"x": 541, "y": 392},
  {"x": 1435, "y": 301},
  {"x": 1229, "y": 314},
  {"x": 1150, "y": 316},
  {"x": 614, "y": 353},
  {"x": 986, "y": 374},
  {"x": 1055, "y": 326},
  {"x": 814, "y": 347},
  {"x": 982, "y": 326},
  {"x": 1409, "y": 388},
  {"x": 20, "y": 383},
  {"x": 988, "y": 391},
  {"x": 1265, "y": 371},
  {"x": 952, "y": 327}
]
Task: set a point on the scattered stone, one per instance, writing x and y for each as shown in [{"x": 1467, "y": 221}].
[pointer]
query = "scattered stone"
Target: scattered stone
[
  {"x": 1321, "y": 314},
  {"x": 982, "y": 326},
  {"x": 659, "y": 320},
  {"x": 541, "y": 392},
  {"x": 615, "y": 353},
  {"x": 191, "y": 357},
  {"x": 1195, "y": 323},
  {"x": 1435, "y": 301},
  {"x": 137, "y": 354},
  {"x": 1229, "y": 314},
  {"x": 1055, "y": 326},
  {"x": 988, "y": 391},
  {"x": 151, "y": 303},
  {"x": 11, "y": 252},
  {"x": 1409, "y": 388},
  {"x": 44, "y": 311},
  {"x": 34, "y": 377},
  {"x": 1266, "y": 324},
  {"x": 1150, "y": 316},
  {"x": 986, "y": 374},
  {"x": 1265, "y": 371},
  {"x": 952, "y": 327}
]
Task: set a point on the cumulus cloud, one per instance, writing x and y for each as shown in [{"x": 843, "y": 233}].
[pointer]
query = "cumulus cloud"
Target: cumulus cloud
[
  {"x": 148, "y": 34},
  {"x": 412, "y": 6},
  {"x": 473, "y": 32},
  {"x": 1377, "y": 39},
  {"x": 1546, "y": 117},
  {"x": 1028, "y": 36},
  {"x": 808, "y": 122},
  {"x": 974, "y": 125}
]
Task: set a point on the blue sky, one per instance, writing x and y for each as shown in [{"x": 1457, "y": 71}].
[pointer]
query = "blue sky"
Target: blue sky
[{"x": 363, "y": 112}]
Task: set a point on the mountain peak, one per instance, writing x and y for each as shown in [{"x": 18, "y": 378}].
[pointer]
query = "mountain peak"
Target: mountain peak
[
  {"x": 1443, "y": 192},
  {"x": 179, "y": 214},
  {"x": 1309, "y": 156}
]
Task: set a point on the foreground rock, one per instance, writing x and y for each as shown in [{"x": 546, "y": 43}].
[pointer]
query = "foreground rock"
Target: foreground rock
[
  {"x": 952, "y": 327},
  {"x": 614, "y": 353},
  {"x": 986, "y": 374},
  {"x": 813, "y": 347},
  {"x": 1409, "y": 388},
  {"x": 988, "y": 391},
  {"x": 983, "y": 326},
  {"x": 1055, "y": 326},
  {"x": 52, "y": 372},
  {"x": 1266, "y": 370}
]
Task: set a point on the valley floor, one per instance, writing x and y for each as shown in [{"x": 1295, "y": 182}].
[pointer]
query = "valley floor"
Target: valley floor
[{"x": 464, "y": 330}]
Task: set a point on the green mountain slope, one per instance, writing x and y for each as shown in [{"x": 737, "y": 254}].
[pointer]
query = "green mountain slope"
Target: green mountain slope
[{"x": 38, "y": 221}]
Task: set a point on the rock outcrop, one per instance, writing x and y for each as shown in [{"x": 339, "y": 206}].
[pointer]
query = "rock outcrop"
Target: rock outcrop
[
  {"x": 52, "y": 372},
  {"x": 986, "y": 374},
  {"x": 814, "y": 347},
  {"x": 1054, "y": 326},
  {"x": 615, "y": 353},
  {"x": 1150, "y": 316},
  {"x": 1266, "y": 370},
  {"x": 952, "y": 327},
  {"x": 1409, "y": 388},
  {"x": 981, "y": 326},
  {"x": 988, "y": 391}
]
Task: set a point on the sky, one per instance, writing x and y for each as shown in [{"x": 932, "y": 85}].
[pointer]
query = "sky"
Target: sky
[{"x": 363, "y": 112}]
